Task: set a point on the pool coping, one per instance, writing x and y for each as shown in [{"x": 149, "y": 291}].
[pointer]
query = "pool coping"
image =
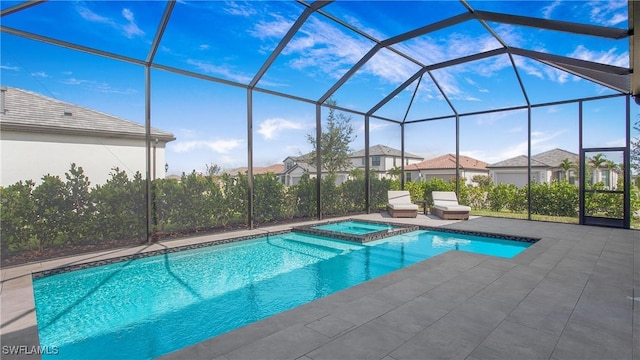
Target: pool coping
[{"x": 306, "y": 229}]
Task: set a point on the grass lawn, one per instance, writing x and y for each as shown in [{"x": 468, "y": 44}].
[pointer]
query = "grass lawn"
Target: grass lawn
[
  {"x": 635, "y": 221},
  {"x": 513, "y": 215}
]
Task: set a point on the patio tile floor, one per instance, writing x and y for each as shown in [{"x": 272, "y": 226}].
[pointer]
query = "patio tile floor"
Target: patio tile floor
[{"x": 572, "y": 295}]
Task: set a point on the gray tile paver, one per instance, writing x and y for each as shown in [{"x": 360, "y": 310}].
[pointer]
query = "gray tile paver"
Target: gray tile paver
[
  {"x": 330, "y": 325},
  {"x": 585, "y": 342},
  {"x": 574, "y": 286},
  {"x": 365, "y": 342},
  {"x": 514, "y": 341}
]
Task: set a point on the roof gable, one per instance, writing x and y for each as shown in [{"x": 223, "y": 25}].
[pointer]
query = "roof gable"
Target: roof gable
[
  {"x": 554, "y": 158},
  {"x": 448, "y": 161},
  {"x": 551, "y": 158},
  {"x": 28, "y": 111},
  {"x": 383, "y": 150},
  {"x": 518, "y": 161}
]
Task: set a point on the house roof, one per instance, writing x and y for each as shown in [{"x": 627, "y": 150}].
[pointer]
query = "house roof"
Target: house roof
[
  {"x": 28, "y": 111},
  {"x": 518, "y": 161},
  {"x": 554, "y": 157},
  {"x": 551, "y": 158},
  {"x": 274, "y": 168},
  {"x": 448, "y": 161},
  {"x": 382, "y": 150}
]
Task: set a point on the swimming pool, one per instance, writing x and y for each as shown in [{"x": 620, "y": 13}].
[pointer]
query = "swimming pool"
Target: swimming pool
[{"x": 148, "y": 307}]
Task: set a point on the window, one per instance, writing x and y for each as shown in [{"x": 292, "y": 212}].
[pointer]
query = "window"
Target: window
[
  {"x": 408, "y": 177},
  {"x": 288, "y": 165},
  {"x": 362, "y": 161},
  {"x": 375, "y": 161},
  {"x": 605, "y": 178}
]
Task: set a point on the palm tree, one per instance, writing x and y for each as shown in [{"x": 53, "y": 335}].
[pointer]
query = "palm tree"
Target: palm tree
[
  {"x": 597, "y": 161},
  {"x": 567, "y": 165}
]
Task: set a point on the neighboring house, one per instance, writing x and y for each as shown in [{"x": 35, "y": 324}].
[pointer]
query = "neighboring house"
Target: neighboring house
[
  {"x": 444, "y": 167},
  {"x": 383, "y": 159},
  {"x": 545, "y": 167},
  {"x": 276, "y": 169},
  {"x": 40, "y": 135}
]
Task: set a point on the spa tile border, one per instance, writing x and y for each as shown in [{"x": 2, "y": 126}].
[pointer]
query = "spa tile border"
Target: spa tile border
[{"x": 397, "y": 229}]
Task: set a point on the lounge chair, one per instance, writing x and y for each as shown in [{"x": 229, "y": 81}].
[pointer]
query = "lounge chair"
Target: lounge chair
[
  {"x": 400, "y": 205},
  {"x": 446, "y": 207}
]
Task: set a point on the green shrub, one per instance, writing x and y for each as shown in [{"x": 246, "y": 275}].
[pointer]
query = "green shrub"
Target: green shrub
[
  {"x": 268, "y": 195},
  {"x": 18, "y": 216}
]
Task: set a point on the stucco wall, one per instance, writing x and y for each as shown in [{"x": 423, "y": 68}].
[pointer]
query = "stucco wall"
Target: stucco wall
[{"x": 26, "y": 156}]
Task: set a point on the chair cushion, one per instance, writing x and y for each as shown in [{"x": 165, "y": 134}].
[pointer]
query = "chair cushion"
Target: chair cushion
[
  {"x": 399, "y": 197},
  {"x": 454, "y": 207},
  {"x": 403, "y": 206}
]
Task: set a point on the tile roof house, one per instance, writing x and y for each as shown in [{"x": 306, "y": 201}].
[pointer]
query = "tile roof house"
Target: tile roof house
[
  {"x": 444, "y": 167},
  {"x": 382, "y": 159},
  {"x": 40, "y": 135},
  {"x": 545, "y": 167},
  {"x": 274, "y": 169}
]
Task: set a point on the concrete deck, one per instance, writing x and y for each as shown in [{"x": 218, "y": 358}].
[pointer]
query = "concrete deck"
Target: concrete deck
[{"x": 572, "y": 295}]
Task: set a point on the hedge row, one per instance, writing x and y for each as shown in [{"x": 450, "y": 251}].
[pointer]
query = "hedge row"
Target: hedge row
[
  {"x": 558, "y": 198},
  {"x": 59, "y": 213}
]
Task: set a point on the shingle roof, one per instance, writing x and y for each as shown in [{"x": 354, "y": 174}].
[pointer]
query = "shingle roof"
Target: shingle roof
[
  {"x": 448, "y": 161},
  {"x": 551, "y": 158},
  {"x": 382, "y": 150},
  {"x": 28, "y": 111},
  {"x": 518, "y": 161},
  {"x": 554, "y": 157}
]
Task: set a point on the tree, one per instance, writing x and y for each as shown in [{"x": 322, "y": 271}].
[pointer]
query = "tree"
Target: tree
[
  {"x": 212, "y": 169},
  {"x": 395, "y": 172},
  {"x": 334, "y": 142},
  {"x": 484, "y": 181},
  {"x": 567, "y": 165},
  {"x": 597, "y": 161}
]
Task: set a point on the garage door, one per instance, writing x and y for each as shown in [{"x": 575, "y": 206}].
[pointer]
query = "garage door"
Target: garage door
[{"x": 519, "y": 179}]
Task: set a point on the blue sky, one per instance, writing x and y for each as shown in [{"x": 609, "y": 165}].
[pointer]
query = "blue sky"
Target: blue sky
[{"x": 231, "y": 40}]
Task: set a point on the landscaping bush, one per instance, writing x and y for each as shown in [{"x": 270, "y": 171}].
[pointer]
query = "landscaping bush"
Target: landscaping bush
[{"x": 56, "y": 213}]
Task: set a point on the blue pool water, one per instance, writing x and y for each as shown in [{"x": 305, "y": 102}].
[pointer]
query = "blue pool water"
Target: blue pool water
[
  {"x": 354, "y": 227},
  {"x": 148, "y": 307}
]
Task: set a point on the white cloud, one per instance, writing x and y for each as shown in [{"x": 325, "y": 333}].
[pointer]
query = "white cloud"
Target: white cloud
[
  {"x": 128, "y": 27},
  {"x": 204, "y": 47},
  {"x": 224, "y": 146},
  {"x": 220, "y": 70},
  {"x": 540, "y": 141},
  {"x": 604, "y": 57},
  {"x": 275, "y": 28},
  {"x": 270, "y": 128},
  {"x": 375, "y": 126},
  {"x": 12, "y": 68},
  {"x": 89, "y": 15},
  {"x": 40, "y": 74},
  {"x": 102, "y": 87},
  {"x": 608, "y": 13},
  {"x": 548, "y": 10},
  {"x": 74, "y": 81},
  {"x": 239, "y": 8}
]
